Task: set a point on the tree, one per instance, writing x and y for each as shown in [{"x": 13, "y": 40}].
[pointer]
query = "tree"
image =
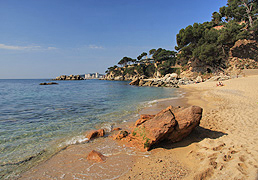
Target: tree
[
  {"x": 240, "y": 10},
  {"x": 125, "y": 60},
  {"x": 141, "y": 56},
  {"x": 216, "y": 18},
  {"x": 152, "y": 51}
]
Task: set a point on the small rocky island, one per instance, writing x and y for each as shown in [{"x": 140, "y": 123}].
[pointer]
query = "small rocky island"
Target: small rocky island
[
  {"x": 68, "y": 78},
  {"x": 50, "y": 83}
]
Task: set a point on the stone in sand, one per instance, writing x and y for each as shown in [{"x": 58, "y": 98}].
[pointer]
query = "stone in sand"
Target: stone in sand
[{"x": 96, "y": 156}]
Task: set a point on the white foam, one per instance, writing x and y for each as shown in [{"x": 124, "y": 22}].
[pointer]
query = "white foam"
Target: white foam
[{"x": 76, "y": 140}]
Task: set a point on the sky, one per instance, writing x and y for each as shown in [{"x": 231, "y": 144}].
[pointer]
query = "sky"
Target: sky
[{"x": 48, "y": 38}]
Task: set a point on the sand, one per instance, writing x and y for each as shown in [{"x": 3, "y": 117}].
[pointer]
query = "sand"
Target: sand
[{"x": 223, "y": 147}]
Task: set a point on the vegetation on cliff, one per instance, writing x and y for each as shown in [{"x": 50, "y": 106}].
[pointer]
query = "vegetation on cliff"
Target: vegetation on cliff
[
  {"x": 202, "y": 47},
  {"x": 161, "y": 62},
  {"x": 209, "y": 43}
]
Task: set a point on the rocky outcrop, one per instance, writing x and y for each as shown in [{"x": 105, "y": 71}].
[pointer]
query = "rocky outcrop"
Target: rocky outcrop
[
  {"x": 95, "y": 134},
  {"x": 50, "y": 83},
  {"x": 172, "y": 80},
  {"x": 171, "y": 124},
  {"x": 135, "y": 82},
  {"x": 70, "y": 77},
  {"x": 96, "y": 156}
]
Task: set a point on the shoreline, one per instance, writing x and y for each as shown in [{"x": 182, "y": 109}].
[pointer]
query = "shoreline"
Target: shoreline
[
  {"x": 82, "y": 149},
  {"x": 213, "y": 150}
]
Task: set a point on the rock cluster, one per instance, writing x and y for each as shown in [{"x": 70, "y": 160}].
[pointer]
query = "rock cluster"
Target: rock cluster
[
  {"x": 172, "y": 80},
  {"x": 70, "y": 77},
  {"x": 171, "y": 124}
]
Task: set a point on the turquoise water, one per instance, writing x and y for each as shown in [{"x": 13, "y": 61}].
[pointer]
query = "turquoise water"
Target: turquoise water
[{"x": 37, "y": 121}]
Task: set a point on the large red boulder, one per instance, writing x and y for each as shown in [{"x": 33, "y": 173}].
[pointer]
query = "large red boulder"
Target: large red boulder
[{"x": 169, "y": 124}]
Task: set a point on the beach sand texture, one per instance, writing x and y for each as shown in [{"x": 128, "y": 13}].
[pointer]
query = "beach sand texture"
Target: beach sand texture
[{"x": 223, "y": 147}]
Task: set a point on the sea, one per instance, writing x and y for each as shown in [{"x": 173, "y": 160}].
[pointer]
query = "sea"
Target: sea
[{"x": 37, "y": 121}]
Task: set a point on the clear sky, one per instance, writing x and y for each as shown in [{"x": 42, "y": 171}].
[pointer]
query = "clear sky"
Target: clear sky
[{"x": 48, "y": 38}]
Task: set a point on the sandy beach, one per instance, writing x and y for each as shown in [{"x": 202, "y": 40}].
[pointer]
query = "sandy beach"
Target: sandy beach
[
  {"x": 223, "y": 147},
  {"x": 225, "y": 144}
]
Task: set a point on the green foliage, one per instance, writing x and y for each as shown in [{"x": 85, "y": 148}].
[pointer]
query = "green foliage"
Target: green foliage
[
  {"x": 152, "y": 51},
  {"x": 149, "y": 70},
  {"x": 129, "y": 71},
  {"x": 211, "y": 46},
  {"x": 147, "y": 143},
  {"x": 164, "y": 55},
  {"x": 142, "y": 55},
  {"x": 240, "y": 10},
  {"x": 125, "y": 60},
  {"x": 216, "y": 18}
]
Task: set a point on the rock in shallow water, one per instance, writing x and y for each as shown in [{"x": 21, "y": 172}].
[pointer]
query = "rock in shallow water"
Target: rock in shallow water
[
  {"x": 96, "y": 156},
  {"x": 95, "y": 134}
]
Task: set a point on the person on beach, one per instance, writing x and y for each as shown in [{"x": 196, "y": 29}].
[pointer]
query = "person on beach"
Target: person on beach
[{"x": 220, "y": 84}]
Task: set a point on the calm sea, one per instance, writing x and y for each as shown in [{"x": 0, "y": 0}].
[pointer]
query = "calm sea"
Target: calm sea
[{"x": 37, "y": 121}]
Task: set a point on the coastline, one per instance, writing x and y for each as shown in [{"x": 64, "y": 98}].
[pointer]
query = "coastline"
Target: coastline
[
  {"x": 74, "y": 155},
  {"x": 223, "y": 147}
]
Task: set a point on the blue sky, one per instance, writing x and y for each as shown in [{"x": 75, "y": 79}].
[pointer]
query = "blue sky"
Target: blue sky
[{"x": 47, "y": 38}]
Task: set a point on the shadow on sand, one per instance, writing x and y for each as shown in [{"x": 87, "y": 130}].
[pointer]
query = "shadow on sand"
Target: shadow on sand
[{"x": 198, "y": 134}]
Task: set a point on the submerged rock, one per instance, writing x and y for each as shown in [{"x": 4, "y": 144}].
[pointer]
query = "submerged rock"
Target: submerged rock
[{"x": 96, "y": 156}]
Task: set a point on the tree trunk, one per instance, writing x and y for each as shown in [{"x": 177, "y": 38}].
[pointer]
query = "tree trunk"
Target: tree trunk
[{"x": 248, "y": 11}]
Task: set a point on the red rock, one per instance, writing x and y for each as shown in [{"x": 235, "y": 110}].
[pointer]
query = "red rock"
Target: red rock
[
  {"x": 187, "y": 120},
  {"x": 101, "y": 132},
  {"x": 143, "y": 118},
  {"x": 95, "y": 134},
  {"x": 121, "y": 135},
  {"x": 170, "y": 124},
  {"x": 96, "y": 156}
]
